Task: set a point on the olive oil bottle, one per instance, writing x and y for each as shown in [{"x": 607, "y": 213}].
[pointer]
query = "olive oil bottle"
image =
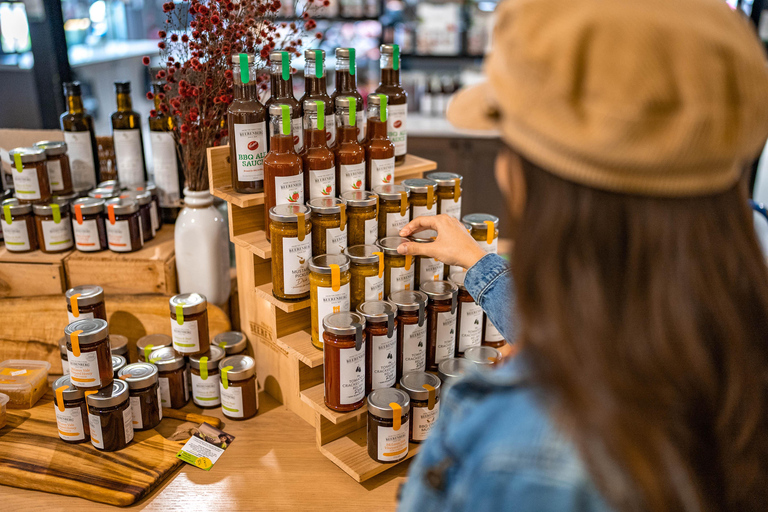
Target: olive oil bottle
[
  {"x": 80, "y": 137},
  {"x": 167, "y": 170},
  {"x": 126, "y": 134}
]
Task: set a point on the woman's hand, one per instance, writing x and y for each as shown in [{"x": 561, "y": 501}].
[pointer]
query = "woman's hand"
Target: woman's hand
[{"x": 453, "y": 246}]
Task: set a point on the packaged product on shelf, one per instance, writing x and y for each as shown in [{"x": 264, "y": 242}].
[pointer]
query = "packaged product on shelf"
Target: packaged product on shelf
[
  {"x": 388, "y": 426},
  {"x": 104, "y": 192},
  {"x": 80, "y": 136},
  {"x": 448, "y": 193},
  {"x": 483, "y": 357},
  {"x": 399, "y": 271},
  {"x": 154, "y": 206},
  {"x": 451, "y": 369},
  {"x": 379, "y": 149},
  {"x": 329, "y": 279},
  {"x": 291, "y": 250},
  {"x": 89, "y": 225},
  {"x": 54, "y": 227},
  {"x": 128, "y": 140},
  {"x": 367, "y": 274},
  {"x": 189, "y": 323},
  {"x": 172, "y": 378},
  {"x": 469, "y": 325},
  {"x": 24, "y": 381},
  {"x": 30, "y": 175},
  {"x": 397, "y": 117},
  {"x": 59, "y": 172},
  {"x": 149, "y": 343},
  {"x": 18, "y": 226},
  {"x": 167, "y": 172},
  {"x": 110, "y": 417},
  {"x": 144, "y": 394},
  {"x": 71, "y": 411},
  {"x": 118, "y": 363},
  {"x": 349, "y": 152},
  {"x": 118, "y": 345},
  {"x": 362, "y": 214},
  {"x": 394, "y": 211},
  {"x": 412, "y": 337},
  {"x": 329, "y": 225},
  {"x": 144, "y": 199},
  {"x": 424, "y": 391},
  {"x": 441, "y": 321},
  {"x": 383, "y": 352},
  {"x": 423, "y": 199},
  {"x": 232, "y": 342},
  {"x": 85, "y": 302},
  {"x": 281, "y": 93},
  {"x": 204, "y": 371},
  {"x": 344, "y": 348},
  {"x": 238, "y": 389},
  {"x": 427, "y": 269},
  {"x": 124, "y": 231},
  {"x": 316, "y": 88},
  {"x": 319, "y": 162},
  {"x": 346, "y": 86},
  {"x": 88, "y": 354}
]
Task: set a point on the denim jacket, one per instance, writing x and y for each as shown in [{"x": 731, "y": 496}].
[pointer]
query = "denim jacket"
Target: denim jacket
[{"x": 493, "y": 447}]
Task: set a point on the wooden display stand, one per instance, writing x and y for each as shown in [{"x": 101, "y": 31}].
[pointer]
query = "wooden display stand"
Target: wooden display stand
[
  {"x": 31, "y": 274},
  {"x": 288, "y": 366}
]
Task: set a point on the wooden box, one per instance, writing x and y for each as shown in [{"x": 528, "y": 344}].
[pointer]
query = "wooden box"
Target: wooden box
[{"x": 30, "y": 274}]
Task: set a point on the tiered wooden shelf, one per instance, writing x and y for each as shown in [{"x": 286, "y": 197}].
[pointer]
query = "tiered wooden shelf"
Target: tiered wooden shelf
[{"x": 289, "y": 367}]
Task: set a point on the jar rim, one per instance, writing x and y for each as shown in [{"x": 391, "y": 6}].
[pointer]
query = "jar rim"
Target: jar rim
[
  {"x": 122, "y": 205},
  {"x": 359, "y": 198},
  {"x": 326, "y": 205},
  {"x": 109, "y": 396},
  {"x": 343, "y": 323},
  {"x": 88, "y": 294},
  {"x": 43, "y": 210},
  {"x": 362, "y": 254},
  {"x": 439, "y": 290},
  {"x": 214, "y": 355},
  {"x": 138, "y": 375},
  {"x": 190, "y": 303},
  {"x": 477, "y": 220},
  {"x": 93, "y": 330},
  {"x": 28, "y": 155},
  {"x": 52, "y": 147},
  {"x": 16, "y": 207},
  {"x": 243, "y": 367},
  {"x": 391, "y": 192},
  {"x": 408, "y": 300},
  {"x": 445, "y": 179},
  {"x": 482, "y": 355},
  {"x": 71, "y": 393},
  {"x": 389, "y": 245},
  {"x": 288, "y": 212},
  {"x": 89, "y": 205},
  {"x": 379, "y": 400},
  {"x": 231, "y": 341},
  {"x": 419, "y": 185},
  {"x": 166, "y": 359},
  {"x": 413, "y": 382},
  {"x": 376, "y": 311},
  {"x": 453, "y": 368},
  {"x": 321, "y": 264}
]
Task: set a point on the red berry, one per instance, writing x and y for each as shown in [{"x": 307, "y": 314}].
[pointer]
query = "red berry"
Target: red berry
[{"x": 145, "y": 60}]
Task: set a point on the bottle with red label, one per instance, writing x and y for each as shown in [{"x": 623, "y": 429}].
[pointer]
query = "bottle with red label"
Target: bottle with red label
[
  {"x": 319, "y": 162},
  {"x": 316, "y": 88},
  {"x": 397, "y": 99},
  {"x": 281, "y": 87},
  {"x": 346, "y": 85},
  {"x": 379, "y": 150},
  {"x": 350, "y": 154}
]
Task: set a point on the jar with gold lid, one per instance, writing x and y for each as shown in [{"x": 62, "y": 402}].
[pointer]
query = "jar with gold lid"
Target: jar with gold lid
[
  {"x": 366, "y": 274},
  {"x": 394, "y": 209},
  {"x": 423, "y": 199},
  {"x": 329, "y": 225},
  {"x": 399, "y": 271},
  {"x": 362, "y": 217},
  {"x": 329, "y": 279},
  {"x": 18, "y": 226},
  {"x": 30, "y": 175},
  {"x": 291, "y": 229},
  {"x": 448, "y": 193}
]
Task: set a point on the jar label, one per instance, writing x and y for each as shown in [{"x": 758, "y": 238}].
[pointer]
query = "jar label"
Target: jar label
[
  {"x": 382, "y": 171},
  {"x": 16, "y": 234},
  {"x": 430, "y": 270},
  {"x": 289, "y": 189},
  {"x": 397, "y": 131},
  {"x": 393, "y": 444},
  {"x": 335, "y": 240},
  {"x": 160, "y": 402},
  {"x": 26, "y": 183},
  {"x": 296, "y": 256},
  {"x": 445, "y": 341},
  {"x": 136, "y": 412},
  {"x": 423, "y": 420},
  {"x": 186, "y": 338},
  {"x": 119, "y": 236},
  {"x": 231, "y": 400},
  {"x": 451, "y": 207},
  {"x": 206, "y": 392},
  {"x": 84, "y": 370},
  {"x": 154, "y": 215},
  {"x": 94, "y": 424},
  {"x": 471, "y": 325},
  {"x": 374, "y": 288},
  {"x": 129, "y": 157},
  {"x": 351, "y": 375},
  {"x": 421, "y": 211},
  {"x": 164, "y": 389},
  {"x": 251, "y": 145},
  {"x": 187, "y": 382},
  {"x": 298, "y": 134},
  {"x": 55, "y": 178},
  {"x": 87, "y": 236},
  {"x": 81, "y": 316},
  {"x": 400, "y": 279},
  {"x": 491, "y": 332},
  {"x": 166, "y": 168},
  {"x": 371, "y": 231},
  {"x": 396, "y": 222},
  {"x": 70, "y": 423},
  {"x": 57, "y": 237},
  {"x": 330, "y": 129},
  {"x": 80, "y": 153},
  {"x": 352, "y": 177},
  {"x": 414, "y": 347},
  {"x": 492, "y": 248},
  {"x": 329, "y": 302},
  {"x": 322, "y": 183},
  {"x": 128, "y": 424},
  {"x": 384, "y": 352},
  {"x": 65, "y": 366}
]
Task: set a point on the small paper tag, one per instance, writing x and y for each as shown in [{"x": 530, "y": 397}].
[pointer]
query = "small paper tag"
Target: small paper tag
[
  {"x": 204, "y": 448},
  {"x": 18, "y": 372}
]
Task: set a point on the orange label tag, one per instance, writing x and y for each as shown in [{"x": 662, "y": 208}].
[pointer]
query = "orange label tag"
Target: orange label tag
[
  {"x": 403, "y": 203},
  {"x": 380, "y": 255},
  {"x": 79, "y": 213},
  {"x": 431, "y": 398},
  {"x": 335, "y": 277},
  {"x": 491, "y": 230},
  {"x": 397, "y": 413},
  {"x": 302, "y": 226},
  {"x": 126, "y": 376},
  {"x": 408, "y": 261},
  {"x": 60, "y": 397},
  {"x": 111, "y": 214},
  {"x": 74, "y": 338},
  {"x": 343, "y": 208},
  {"x": 73, "y": 305},
  {"x": 430, "y": 196},
  {"x": 456, "y": 190}
]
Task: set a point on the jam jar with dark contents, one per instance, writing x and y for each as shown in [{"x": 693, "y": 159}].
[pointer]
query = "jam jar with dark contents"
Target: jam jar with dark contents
[
  {"x": 30, "y": 175},
  {"x": 233, "y": 342},
  {"x": 423, "y": 199},
  {"x": 18, "y": 226},
  {"x": 394, "y": 212},
  {"x": 381, "y": 326},
  {"x": 344, "y": 347},
  {"x": 424, "y": 391},
  {"x": 239, "y": 393},
  {"x": 89, "y": 224},
  {"x": 84, "y": 302},
  {"x": 388, "y": 426},
  {"x": 118, "y": 363},
  {"x": 144, "y": 393},
  {"x": 399, "y": 271},
  {"x": 362, "y": 214},
  {"x": 149, "y": 343},
  {"x": 144, "y": 199},
  {"x": 154, "y": 210},
  {"x": 110, "y": 417},
  {"x": 427, "y": 269},
  {"x": 189, "y": 323},
  {"x": 124, "y": 231},
  {"x": 88, "y": 354},
  {"x": 59, "y": 171},
  {"x": 469, "y": 325},
  {"x": 172, "y": 377},
  {"x": 104, "y": 193},
  {"x": 118, "y": 345},
  {"x": 329, "y": 225},
  {"x": 71, "y": 411},
  {"x": 483, "y": 357},
  {"x": 448, "y": 193},
  {"x": 412, "y": 336},
  {"x": 441, "y": 321},
  {"x": 291, "y": 229},
  {"x": 204, "y": 372},
  {"x": 366, "y": 271},
  {"x": 54, "y": 227}
]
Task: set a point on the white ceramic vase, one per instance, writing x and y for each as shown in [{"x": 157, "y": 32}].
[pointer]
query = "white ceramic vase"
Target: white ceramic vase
[{"x": 202, "y": 248}]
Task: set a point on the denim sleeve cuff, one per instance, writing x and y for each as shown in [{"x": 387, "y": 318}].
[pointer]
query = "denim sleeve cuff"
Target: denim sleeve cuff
[{"x": 489, "y": 282}]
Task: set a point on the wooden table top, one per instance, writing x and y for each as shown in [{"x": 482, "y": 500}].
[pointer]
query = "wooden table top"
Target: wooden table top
[{"x": 273, "y": 464}]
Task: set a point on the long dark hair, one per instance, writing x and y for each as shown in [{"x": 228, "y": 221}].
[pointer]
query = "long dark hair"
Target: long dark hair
[{"x": 646, "y": 324}]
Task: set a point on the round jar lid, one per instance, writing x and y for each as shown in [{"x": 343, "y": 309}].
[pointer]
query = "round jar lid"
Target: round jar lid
[
  {"x": 88, "y": 205},
  {"x": 122, "y": 205},
  {"x": 138, "y": 375},
  {"x": 424, "y": 237},
  {"x": 118, "y": 344},
  {"x": 71, "y": 393},
  {"x": 154, "y": 341},
  {"x": 276, "y": 109},
  {"x": 413, "y": 384},
  {"x": 15, "y": 207},
  {"x": 44, "y": 210},
  {"x": 109, "y": 396},
  {"x": 391, "y": 192},
  {"x": 322, "y": 264},
  {"x": 140, "y": 196},
  {"x": 236, "y": 58},
  {"x": 118, "y": 362},
  {"x": 344, "y": 323},
  {"x": 65, "y": 198},
  {"x": 89, "y": 294},
  {"x": 310, "y": 54},
  {"x": 445, "y": 179},
  {"x": 379, "y": 400},
  {"x": 408, "y": 300},
  {"x": 214, "y": 355},
  {"x": 147, "y": 186},
  {"x": 359, "y": 198},
  {"x": 477, "y": 220},
  {"x": 390, "y": 244},
  {"x": 378, "y": 311},
  {"x": 453, "y": 368},
  {"x": 104, "y": 193},
  {"x": 457, "y": 278},
  {"x": 342, "y": 53},
  {"x": 52, "y": 147},
  {"x": 276, "y": 56},
  {"x": 419, "y": 185},
  {"x": 93, "y": 330},
  {"x": 166, "y": 359},
  {"x": 28, "y": 155},
  {"x": 191, "y": 303},
  {"x": 326, "y": 205},
  {"x": 108, "y": 184},
  {"x": 233, "y": 342},
  {"x": 363, "y": 254},
  {"x": 482, "y": 356},
  {"x": 288, "y": 212},
  {"x": 242, "y": 367},
  {"x": 439, "y": 290}
]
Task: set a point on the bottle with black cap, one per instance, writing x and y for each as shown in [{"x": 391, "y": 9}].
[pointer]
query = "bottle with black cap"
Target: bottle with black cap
[
  {"x": 167, "y": 170},
  {"x": 80, "y": 137},
  {"x": 126, "y": 135}
]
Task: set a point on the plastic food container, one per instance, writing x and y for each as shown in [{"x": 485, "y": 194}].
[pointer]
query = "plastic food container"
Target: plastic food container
[
  {"x": 23, "y": 381},
  {"x": 3, "y": 416}
]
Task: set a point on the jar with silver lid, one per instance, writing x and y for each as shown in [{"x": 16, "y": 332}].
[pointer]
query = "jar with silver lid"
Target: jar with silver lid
[
  {"x": 88, "y": 354},
  {"x": 448, "y": 193},
  {"x": 17, "y": 223},
  {"x": 427, "y": 269},
  {"x": 451, "y": 369},
  {"x": 109, "y": 417},
  {"x": 423, "y": 199},
  {"x": 71, "y": 411},
  {"x": 144, "y": 198},
  {"x": 412, "y": 337},
  {"x": 86, "y": 301},
  {"x": 54, "y": 227},
  {"x": 172, "y": 377},
  {"x": 189, "y": 323},
  {"x": 89, "y": 224},
  {"x": 144, "y": 392},
  {"x": 204, "y": 373},
  {"x": 383, "y": 354},
  {"x": 238, "y": 388},
  {"x": 362, "y": 216},
  {"x": 424, "y": 391},
  {"x": 149, "y": 343},
  {"x": 344, "y": 368},
  {"x": 59, "y": 171},
  {"x": 441, "y": 321},
  {"x": 118, "y": 363},
  {"x": 394, "y": 209},
  {"x": 483, "y": 357},
  {"x": 233, "y": 342},
  {"x": 124, "y": 230},
  {"x": 30, "y": 175},
  {"x": 388, "y": 424}
]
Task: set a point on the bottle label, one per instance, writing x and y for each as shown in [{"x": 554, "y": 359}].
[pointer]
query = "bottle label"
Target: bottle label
[
  {"x": 251, "y": 145},
  {"x": 70, "y": 423},
  {"x": 128, "y": 424},
  {"x": 396, "y": 222},
  {"x": 382, "y": 171},
  {"x": 84, "y": 370},
  {"x": 400, "y": 279},
  {"x": 430, "y": 270},
  {"x": 330, "y": 130},
  {"x": 80, "y": 153},
  {"x": 55, "y": 178},
  {"x": 289, "y": 189},
  {"x": 329, "y": 302},
  {"x": 371, "y": 231},
  {"x": 166, "y": 168},
  {"x": 129, "y": 157},
  {"x": 393, "y": 444},
  {"x": 352, "y": 177},
  {"x": 384, "y": 361},
  {"x": 451, "y": 207},
  {"x": 57, "y": 236},
  {"x": 26, "y": 183},
  {"x": 471, "y": 325},
  {"x": 119, "y": 236},
  {"x": 164, "y": 387},
  {"x": 296, "y": 256},
  {"x": 15, "y": 234},
  {"x": 492, "y": 248},
  {"x": 298, "y": 134},
  {"x": 491, "y": 332},
  {"x": 136, "y": 412},
  {"x": 87, "y": 236},
  {"x": 445, "y": 341},
  {"x": 374, "y": 288},
  {"x": 352, "y": 375},
  {"x": 322, "y": 183},
  {"x": 360, "y": 124},
  {"x": 423, "y": 420},
  {"x": 186, "y": 337},
  {"x": 335, "y": 240},
  {"x": 65, "y": 366},
  {"x": 206, "y": 392},
  {"x": 94, "y": 424},
  {"x": 414, "y": 347},
  {"x": 422, "y": 211},
  {"x": 231, "y": 400},
  {"x": 397, "y": 131},
  {"x": 81, "y": 316}
]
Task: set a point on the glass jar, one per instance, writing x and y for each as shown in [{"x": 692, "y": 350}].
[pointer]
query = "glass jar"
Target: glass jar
[
  {"x": 469, "y": 324},
  {"x": 144, "y": 394},
  {"x": 484, "y": 228},
  {"x": 18, "y": 226},
  {"x": 492, "y": 337},
  {"x": 90, "y": 361},
  {"x": 424, "y": 391},
  {"x": 344, "y": 368},
  {"x": 423, "y": 199},
  {"x": 89, "y": 226},
  {"x": 366, "y": 274},
  {"x": 110, "y": 417},
  {"x": 427, "y": 269},
  {"x": 104, "y": 192},
  {"x": 144, "y": 198},
  {"x": 124, "y": 231},
  {"x": 381, "y": 327},
  {"x": 451, "y": 369},
  {"x": 362, "y": 214},
  {"x": 388, "y": 425},
  {"x": 291, "y": 229},
  {"x": 149, "y": 343},
  {"x": 329, "y": 225},
  {"x": 448, "y": 193},
  {"x": 30, "y": 175},
  {"x": 54, "y": 227},
  {"x": 329, "y": 290},
  {"x": 118, "y": 345},
  {"x": 71, "y": 412},
  {"x": 483, "y": 357},
  {"x": 399, "y": 271},
  {"x": 118, "y": 363},
  {"x": 59, "y": 171},
  {"x": 412, "y": 337},
  {"x": 239, "y": 396},
  {"x": 84, "y": 302},
  {"x": 189, "y": 323},
  {"x": 171, "y": 378},
  {"x": 149, "y": 186},
  {"x": 394, "y": 211},
  {"x": 64, "y": 356},
  {"x": 441, "y": 321},
  {"x": 204, "y": 373},
  {"x": 232, "y": 342}
]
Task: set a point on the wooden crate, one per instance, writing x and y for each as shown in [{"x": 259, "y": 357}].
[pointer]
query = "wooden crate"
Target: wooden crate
[
  {"x": 289, "y": 367},
  {"x": 31, "y": 274}
]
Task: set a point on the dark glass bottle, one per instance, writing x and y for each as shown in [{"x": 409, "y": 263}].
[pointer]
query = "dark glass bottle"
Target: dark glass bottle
[
  {"x": 168, "y": 172},
  {"x": 379, "y": 149},
  {"x": 346, "y": 85},
  {"x": 281, "y": 87},
  {"x": 319, "y": 161},
  {"x": 80, "y": 137},
  {"x": 316, "y": 88},
  {"x": 128, "y": 142},
  {"x": 397, "y": 99}
]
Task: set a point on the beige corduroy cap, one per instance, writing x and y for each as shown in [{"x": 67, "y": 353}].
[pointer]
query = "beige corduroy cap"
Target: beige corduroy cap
[{"x": 650, "y": 97}]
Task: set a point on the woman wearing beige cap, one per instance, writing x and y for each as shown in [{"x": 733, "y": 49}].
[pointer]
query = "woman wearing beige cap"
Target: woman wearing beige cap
[{"x": 637, "y": 294}]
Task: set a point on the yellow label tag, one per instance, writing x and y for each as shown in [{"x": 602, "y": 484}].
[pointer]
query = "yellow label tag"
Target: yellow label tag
[
  {"x": 17, "y": 161},
  {"x": 456, "y": 190},
  {"x": 335, "y": 277},
  {"x": 204, "y": 368},
  {"x": 377, "y": 206},
  {"x": 180, "y": 314},
  {"x": 408, "y": 261},
  {"x": 224, "y": 380},
  {"x": 491, "y": 231},
  {"x": 403, "y": 203},
  {"x": 74, "y": 338},
  {"x": 302, "y": 226},
  {"x": 430, "y": 196},
  {"x": 431, "y": 398},
  {"x": 73, "y": 305},
  {"x": 343, "y": 219},
  {"x": 380, "y": 255},
  {"x": 60, "y": 397},
  {"x": 147, "y": 351},
  {"x": 397, "y": 413}
]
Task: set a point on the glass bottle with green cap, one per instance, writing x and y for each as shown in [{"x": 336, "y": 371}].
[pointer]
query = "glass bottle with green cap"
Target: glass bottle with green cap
[
  {"x": 346, "y": 85},
  {"x": 80, "y": 136},
  {"x": 204, "y": 372},
  {"x": 319, "y": 162},
  {"x": 189, "y": 323},
  {"x": 398, "y": 99},
  {"x": 379, "y": 149},
  {"x": 54, "y": 227},
  {"x": 238, "y": 389},
  {"x": 247, "y": 127},
  {"x": 281, "y": 93},
  {"x": 316, "y": 88},
  {"x": 350, "y": 154},
  {"x": 127, "y": 138},
  {"x": 168, "y": 173},
  {"x": 30, "y": 175},
  {"x": 18, "y": 225}
]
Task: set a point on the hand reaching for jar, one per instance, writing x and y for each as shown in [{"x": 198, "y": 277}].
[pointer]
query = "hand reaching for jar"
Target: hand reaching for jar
[{"x": 453, "y": 246}]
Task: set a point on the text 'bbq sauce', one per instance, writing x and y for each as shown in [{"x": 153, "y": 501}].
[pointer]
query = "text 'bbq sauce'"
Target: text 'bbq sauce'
[{"x": 247, "y": 128}]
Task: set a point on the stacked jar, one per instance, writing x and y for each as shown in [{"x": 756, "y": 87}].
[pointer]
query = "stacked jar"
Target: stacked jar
[
  {"x": 362, "y": 215},
  {"x": 399, "y": 272},
  {"x": 394, "y": 212},
  {"x": 54, "y": 227},
  {"x": 329, "y": 279},
  {"x": 291, "y": 229},
  {"x": 448, "y": 193},
  {"x": 423, "y": 199},
  {"x": 144, "y": 394},
  {"x": 124, "y": 231},
  {"x": 189, "y": 323},
  {"x": 146, "y": 207},
  {"x": 18, "y": 226},
  {"x": 85, "y": 302},
  {"x": 412, "y": 336},
  {"x": 469, "y": 325},
  {"x": 427, "y": 269},
  {"x": 30, "y": 175},
  {"x": 59, "y": 171},
  {"x": 344, "y": 349},
  {"x": 172, "y": 377},
  {"x": 383, "y": 354},
  {"x": 88, "y": 354},
  {"x": 366, "y": 274},
  {"x": 329, "y": 225},
  {"x": 89, "y": 225},
  {"x": 441, "y": 321}
]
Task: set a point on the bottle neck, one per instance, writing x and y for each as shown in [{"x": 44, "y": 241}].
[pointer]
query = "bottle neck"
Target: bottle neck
[
  {"x": 245, "y": 91},
  {"x": 124, "y": 102},
  {"x": 390, "y": 76},
  {"x": 316, "y": 138},
  {"x": 315, "y": 86},
  {"x": 376, "y": 129},
  {"x": 347, "y": 133},
  {"x": 281, "y": 143},
  {"x": 75, "y": 104},
  {"x": 345, "y": 82},
  {"x": 281, "y": 88}
]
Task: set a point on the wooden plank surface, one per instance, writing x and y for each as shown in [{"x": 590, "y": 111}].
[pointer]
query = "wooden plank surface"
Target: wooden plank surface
[
  {"x": 33, "y": 273},
  {"x": 256, "y": 242},
  {"x": 413, "y": 167},
  {"x": 265, "y": 292},
  {"x": 300, "y": 344},
  {"x": 314, "y": 397},
  {"x": 220, "y": 179}
]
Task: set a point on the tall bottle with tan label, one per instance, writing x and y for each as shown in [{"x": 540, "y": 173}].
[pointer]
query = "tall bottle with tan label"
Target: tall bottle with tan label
[
  {"x": 128, "y": 142},
  {"x": 80, "y": 137},
  {"x": 167, "y": 171}
]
